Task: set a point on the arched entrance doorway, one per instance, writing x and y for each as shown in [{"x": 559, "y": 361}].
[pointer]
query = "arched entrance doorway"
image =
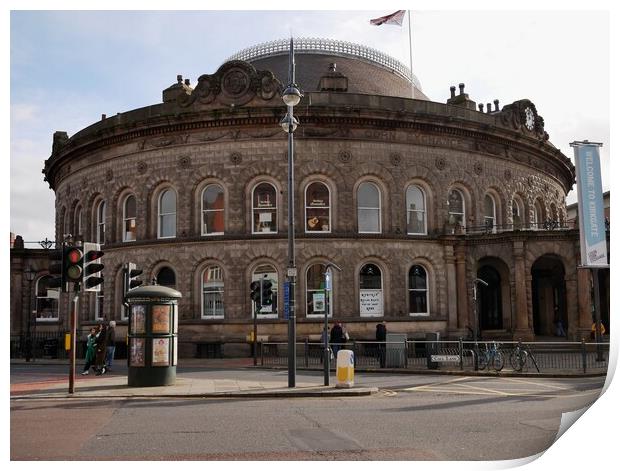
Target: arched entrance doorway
[
  {"x": 490, "y": 299},
  {"x": 493, "y": 306},
  {"x": 548, "y": 295}
]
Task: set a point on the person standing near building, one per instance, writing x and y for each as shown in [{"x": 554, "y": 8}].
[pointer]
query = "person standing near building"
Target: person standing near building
[
  {"x": 110, "y": 340},
  {"x": 336, "y": 338},
  {"x": 380, "y": 336},
  {"x": 90, "y": 350},
  {"x": 100, "y": 350}
]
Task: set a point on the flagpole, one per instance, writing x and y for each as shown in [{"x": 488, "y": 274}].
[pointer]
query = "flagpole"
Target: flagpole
[{"x": 410, "y": 54}]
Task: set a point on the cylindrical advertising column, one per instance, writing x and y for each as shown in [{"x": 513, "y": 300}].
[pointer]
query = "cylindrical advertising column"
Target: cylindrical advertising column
[{"x": 153, "y": 340}]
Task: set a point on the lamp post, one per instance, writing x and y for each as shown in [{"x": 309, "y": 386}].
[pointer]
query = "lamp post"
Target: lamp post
[
  {"x": 476, "y": 314},
  {"x": 329, "y": 277},
  {"x": 291, "y": 97},
  {"x": 29, "y": 274}
]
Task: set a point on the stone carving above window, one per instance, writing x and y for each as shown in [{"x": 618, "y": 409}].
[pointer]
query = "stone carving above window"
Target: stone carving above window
[{"x": 234, "y": 84}]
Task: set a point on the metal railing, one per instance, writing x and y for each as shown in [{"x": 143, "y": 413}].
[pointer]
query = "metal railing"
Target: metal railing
[
  {"x": 571, "y": 358},
  {"x": 499, "y": 228},
  {"x": 330, "y": 46}
]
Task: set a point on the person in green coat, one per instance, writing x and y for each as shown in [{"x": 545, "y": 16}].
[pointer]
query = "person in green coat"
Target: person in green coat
[{"x": 90, "y": 350}]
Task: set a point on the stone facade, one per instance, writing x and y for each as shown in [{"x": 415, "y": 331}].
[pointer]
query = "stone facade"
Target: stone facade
[{"x": 225, "y": 131}]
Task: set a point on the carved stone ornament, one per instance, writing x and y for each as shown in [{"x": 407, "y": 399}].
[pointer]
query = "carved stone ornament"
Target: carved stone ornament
[
  {"x": 109, "y": 175},
  {"x": 184, "y": 161},
  {"x": 522, "y": 115},
  {"x": 478, "y": 168},
  {"x": 234, "y": 84},
  {"x": 440, "y": 163},
  {"x": 142, "y": 167},
  {"x": 345, "y": 156},
  {"x": 530, "y": 181},
  {"x": 507, "y": 175},
  {"x": 68, "y": 190},
  {"x": 84, "y": 182},
  {"x": 236, "y": 158},
  {"x": 396, "y": 159}
]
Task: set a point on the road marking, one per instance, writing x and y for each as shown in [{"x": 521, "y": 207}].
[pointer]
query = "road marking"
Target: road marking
[{"x": 524, "y": 381}]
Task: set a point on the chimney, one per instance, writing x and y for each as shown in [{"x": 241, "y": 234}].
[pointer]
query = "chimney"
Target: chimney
[
  {"x": 179, "y": 79},
  {"x": 103, "y": 116},
  {"x": 452, "y": 91},
  {"x": 496, "y": 102},
  {"x": 462, "y": 99},
  {"x": 489, "y": 107},
  {"x": 461, "y": 89},
  {"x": 481, "y": 107},
  {"x": 187, "y": 82}
]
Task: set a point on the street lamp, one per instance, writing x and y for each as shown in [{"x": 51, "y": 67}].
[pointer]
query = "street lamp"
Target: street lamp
[
  {"x": 328, "y": 288},
  {"x": 289, "y": 123},
  {"x": 30, "y": 275},
  {"x": 476, "y": 314}
]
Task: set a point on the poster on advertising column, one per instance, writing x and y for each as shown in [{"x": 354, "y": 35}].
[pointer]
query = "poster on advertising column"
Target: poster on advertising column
[
  {"x": 592, "y": 231},
  {"x": 371, "y": 302}
]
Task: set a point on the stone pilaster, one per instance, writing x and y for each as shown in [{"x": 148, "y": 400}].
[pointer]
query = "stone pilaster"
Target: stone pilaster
[
  {"x": 522, "y": 330},
  {"x": 461, "y": 289},
  {"x": 450, "y": 260}
]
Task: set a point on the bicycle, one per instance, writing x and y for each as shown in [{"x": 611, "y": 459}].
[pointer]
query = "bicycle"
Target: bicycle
[
  {"x": 491, "y": 357},
  {"x": 519, "y": 356}
]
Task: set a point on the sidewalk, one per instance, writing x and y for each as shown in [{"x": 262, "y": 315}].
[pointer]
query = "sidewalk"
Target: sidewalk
[{"x": 186, "y": 385}]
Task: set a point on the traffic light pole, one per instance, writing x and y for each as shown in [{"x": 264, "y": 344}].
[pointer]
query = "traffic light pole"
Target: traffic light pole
[
  {"x": 76, "y": 289},
  {"x": 254, "y": 332}
]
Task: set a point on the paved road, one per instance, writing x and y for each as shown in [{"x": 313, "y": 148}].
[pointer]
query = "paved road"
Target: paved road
[{"x": 412, "y": 418}]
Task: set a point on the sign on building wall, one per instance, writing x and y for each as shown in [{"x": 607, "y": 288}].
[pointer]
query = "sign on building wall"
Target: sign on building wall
[
  {"x": 371, "y": 302},
  {"x": 592, "y": 235},
  {"x": 318, "y": 302}
]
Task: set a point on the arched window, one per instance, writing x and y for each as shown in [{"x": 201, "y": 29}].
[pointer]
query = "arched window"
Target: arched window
[
  {"x": 213, "y": 292},
  {"x": 264, "y": 209},
  {"x": 371, "y": 291},
  {"x": 213, "y": 210},
  {"x": 100, "y": 222},
  {"x": 318, "y": 210},
  {"x": 539, "y": 216},
  {"x": 78, "y": 221},
  {"x": 166, "y": 277},
  {"x": 368, "y": 208},
  {"x": 167, "y": 210},
  {"x": 489, "y": 213},
  {"x": 416, "y": 210},
  {"x": 318, "y": 300},
  {"x": 268, "y": 272},
  {"x": 517, "y": 214},
  {"x": 47, "y": 300},
  {"x": 129, "y": 219},
  {"x": 418, "y": 291},
  {"x": 456, "y": 209}
]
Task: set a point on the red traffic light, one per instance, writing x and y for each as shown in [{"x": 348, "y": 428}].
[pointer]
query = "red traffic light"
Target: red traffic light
[
  {"x": 74, "y": 255},
  {"x": 93, "y": 255}
]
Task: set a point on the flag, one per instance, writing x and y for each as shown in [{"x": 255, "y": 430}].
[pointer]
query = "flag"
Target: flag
[{"x": 395, "y": 18}]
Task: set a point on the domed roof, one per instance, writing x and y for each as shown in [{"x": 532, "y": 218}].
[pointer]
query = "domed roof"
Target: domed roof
[{"x": 367, "y": 70}]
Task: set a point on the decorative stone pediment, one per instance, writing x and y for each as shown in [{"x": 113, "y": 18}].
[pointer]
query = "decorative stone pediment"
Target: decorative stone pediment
[
  {"x": 235, "y": 83},
  {"x": 522, "y": 115}
]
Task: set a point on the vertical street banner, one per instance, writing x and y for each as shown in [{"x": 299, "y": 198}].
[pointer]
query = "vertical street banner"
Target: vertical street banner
[{"x": 592, "y": 234}]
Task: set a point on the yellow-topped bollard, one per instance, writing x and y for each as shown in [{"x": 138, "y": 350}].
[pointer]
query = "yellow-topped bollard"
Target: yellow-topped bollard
[{"x": 345, "y": 369}]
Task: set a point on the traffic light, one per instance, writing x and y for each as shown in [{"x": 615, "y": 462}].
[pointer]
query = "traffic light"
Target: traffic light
[
  {"x": 72, "y": 264},
  {"x": 56, "y": 267},
  {"x": 256, "y": 291},
  {"x": 131, "y": 276},
  {"x": 93, "y": 278},
  {"x": 267, "y": 293}
]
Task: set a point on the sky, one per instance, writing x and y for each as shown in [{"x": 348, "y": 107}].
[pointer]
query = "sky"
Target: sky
[{"x": 67, "y": 68}]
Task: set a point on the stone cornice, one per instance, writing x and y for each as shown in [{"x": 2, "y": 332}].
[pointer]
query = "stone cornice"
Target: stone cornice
[{"x": 418, "y": 127}]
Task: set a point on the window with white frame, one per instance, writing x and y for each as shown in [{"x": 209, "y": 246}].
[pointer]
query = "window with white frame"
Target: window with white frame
[
  {"x": 368, "y": 208},
  {"x": 268, "y": 272},
  {"x": 416, "y": 210},
  {"x": 456, "y": 208},
  {"x": 167, "y": 210},
  {"x": 371, "y": 291},
  {"x": 213, "y": 292},
  {"x": 318, "y": 300},
  {"x": 418, "y": 291},
  {"x": 47, "y": 300},
  {"x": 129, "y": 219},
  {"x": 100, "y": 222},
  {"x": 99, "y": 303},
  {"x": 264, "y": 209},
  {"x": 213, "y": 210},
  {"x": 489, "y": 213},
  {"x": 318, "y": 208}
]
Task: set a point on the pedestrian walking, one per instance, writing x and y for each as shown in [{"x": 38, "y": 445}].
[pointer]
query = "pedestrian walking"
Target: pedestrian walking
[
  {"x": 100, "y": 350},
  {"x": 380, "y": 336},
  {"x": 90, "y": 350},
  {"x": 110, "y": 340},
  {"x": 559, "y": 329}
]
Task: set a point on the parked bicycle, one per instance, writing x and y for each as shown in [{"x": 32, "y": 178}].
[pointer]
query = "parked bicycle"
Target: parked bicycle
[
  {"x": 491, "y": 357},
  {"x": 519, "y": 357}
]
